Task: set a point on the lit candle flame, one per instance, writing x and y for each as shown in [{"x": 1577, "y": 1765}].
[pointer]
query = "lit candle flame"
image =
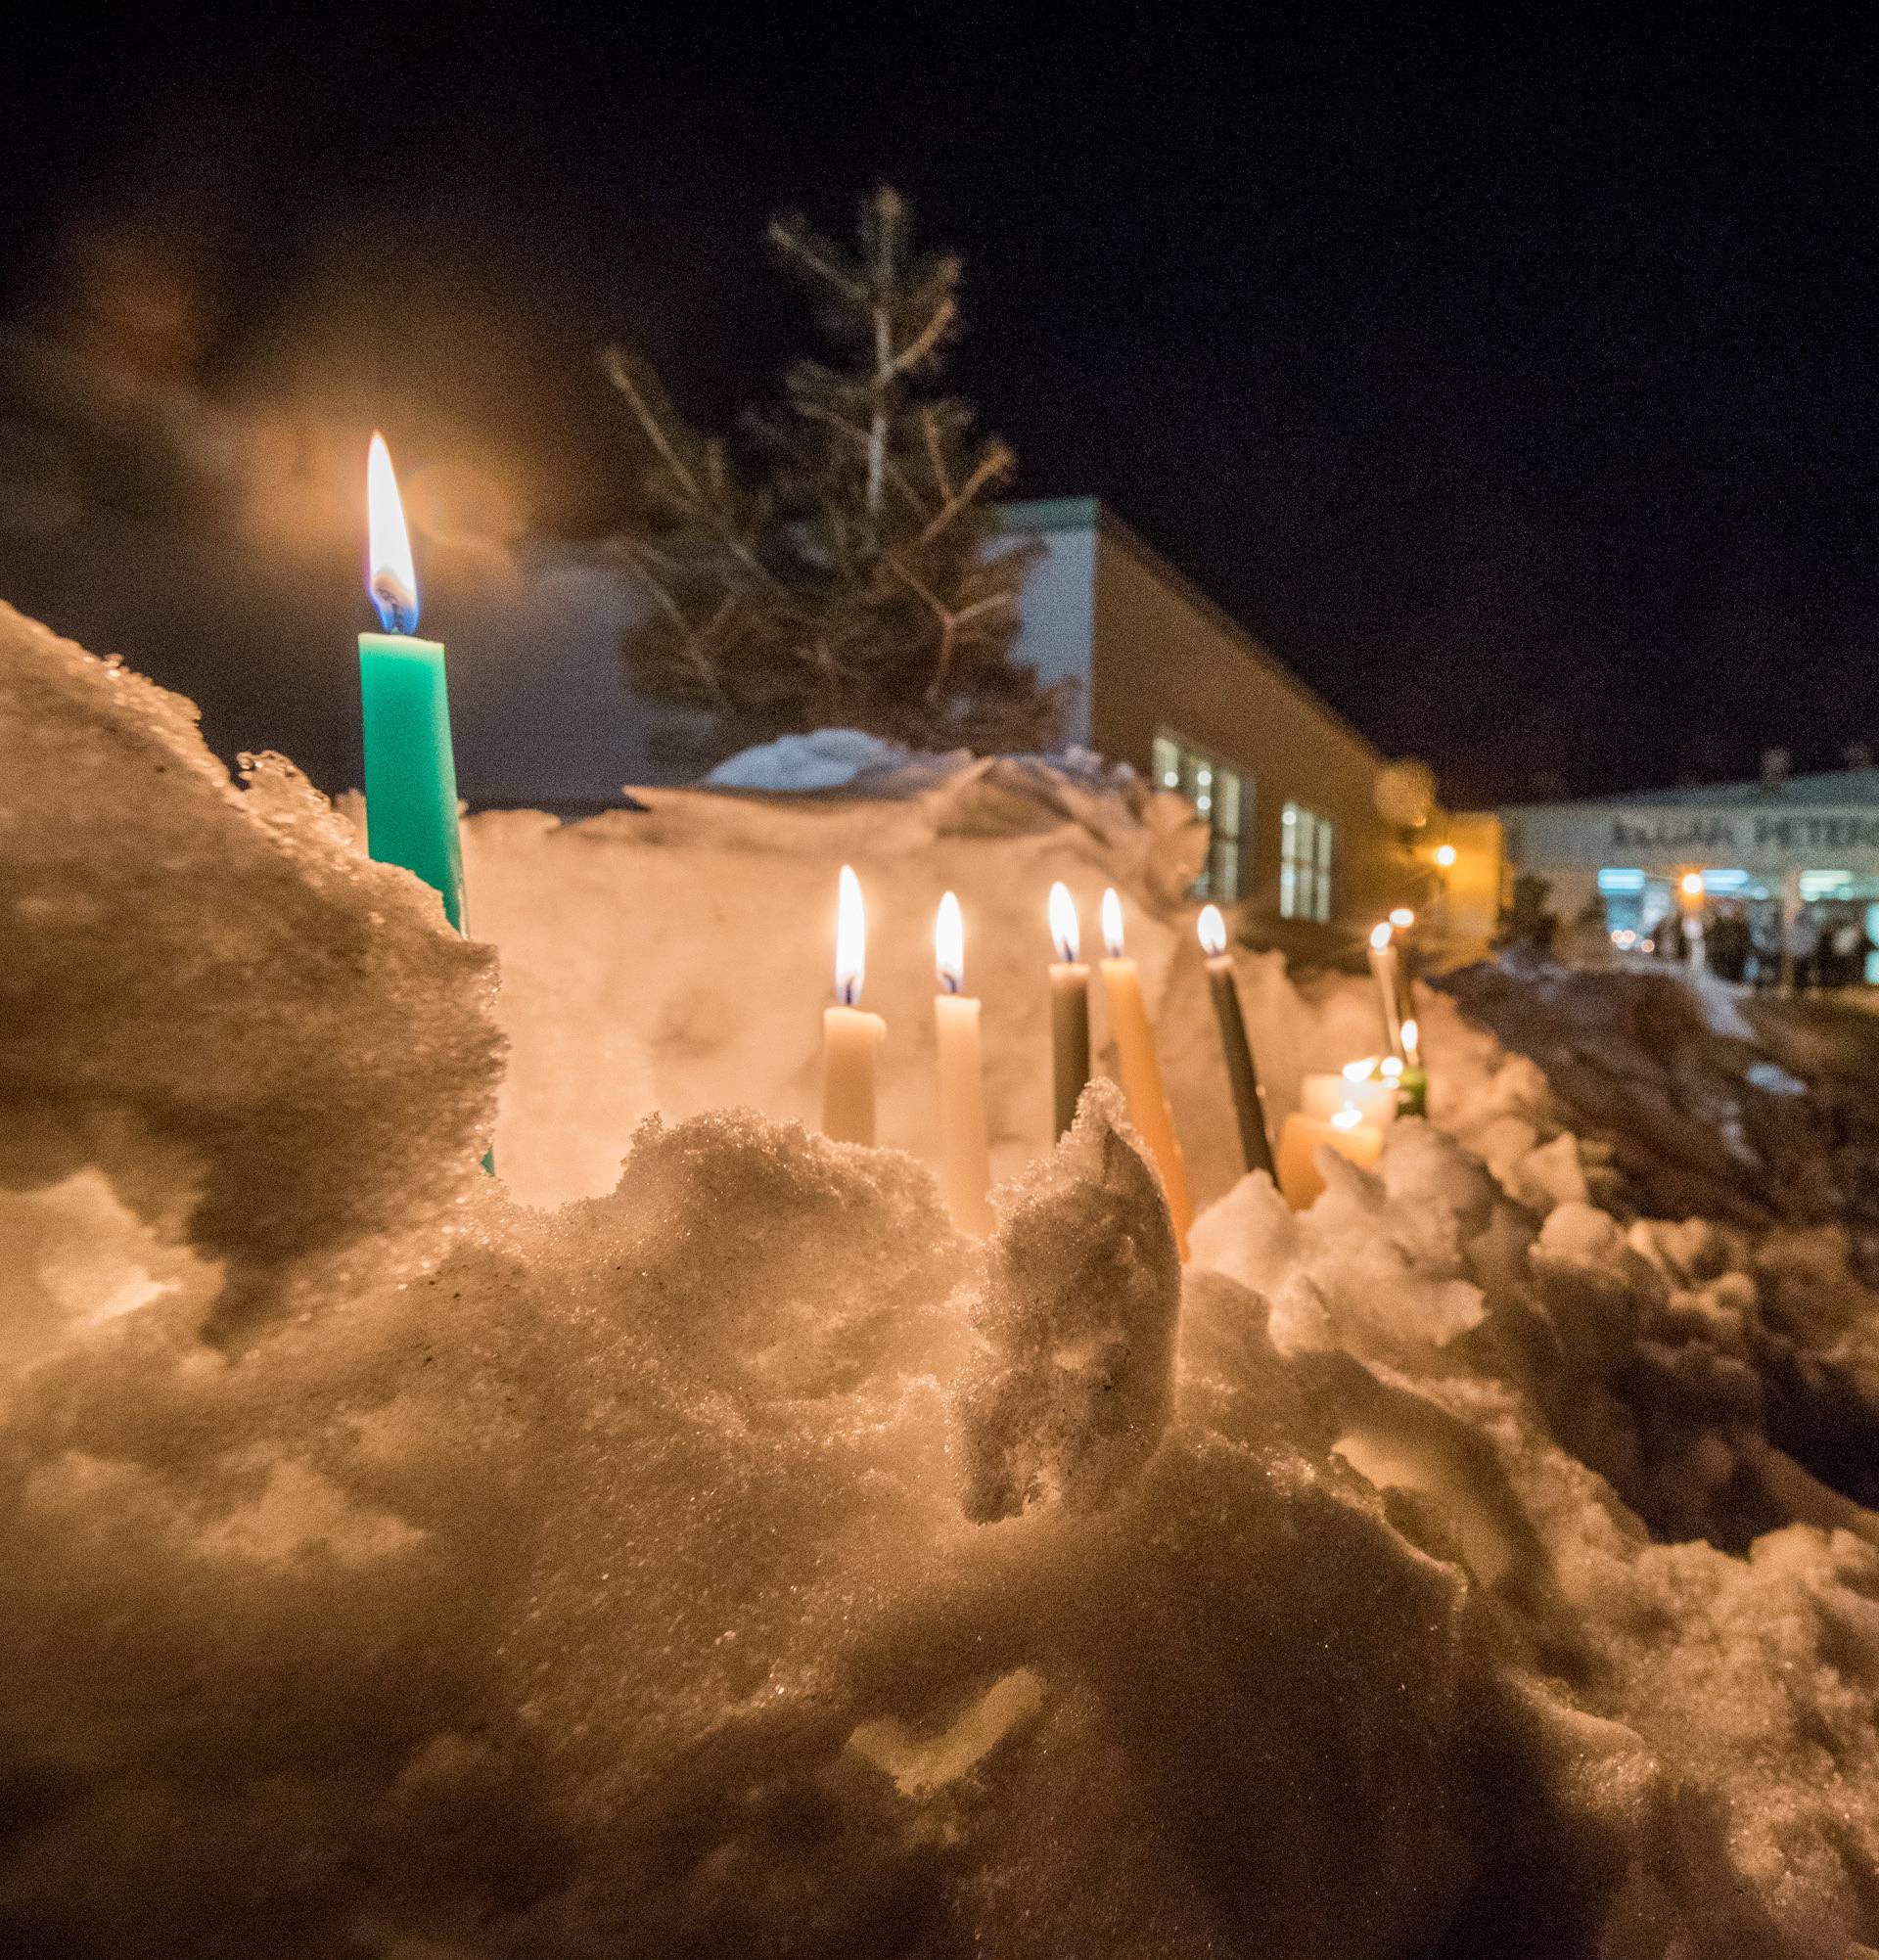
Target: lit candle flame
[
  {"x": 390, "y": 578},
  {"x": 1402, "y": 918},
  {"x": 1348, "y": 1117},
  {"x": 1445, "y": 855},
  {"x": 1064, "y": 928},
  {"x": 1213, "y": 931},
  {"x": 1111, "y": 923},
  {"x": 1361, "y": 1072},
  {"x": 1391, "y": 1068},
  {"x": 1380, "y": 937},
  {"x": 1692, "y": 885},
  {"x": 1411, "y": 1034},
  {"x": 949, "y": 944},
  {"x": 850, "y": 939}
]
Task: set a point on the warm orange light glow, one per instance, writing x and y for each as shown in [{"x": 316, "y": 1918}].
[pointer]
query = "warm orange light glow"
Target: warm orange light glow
[
  {"x": 1111, "y": 923},
  {"x": 1411, "y": 1034},
  {"x": 1445, "y": 855},
  {"x": 850, "y": 939},
  {"x": 1064, "y": 927},
  {"x": 1379, "y": 937},
  {"x": 1213, "y": 931},
  {"x": 1692, "y": 884},
  {"x": 949, "y": 945},
  {"x": 1348, "y": 1117},
  {"x": 1389, "y": 1068},
  {"x": 1402, "y": 918},
  {"x": 391, "y": 577},
  {"x": 1361, "y": 1072}
]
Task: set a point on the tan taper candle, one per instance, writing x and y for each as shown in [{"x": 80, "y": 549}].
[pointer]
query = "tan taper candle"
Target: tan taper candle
[
  {"x": 1141, "y": 1070},
  {"x": 1068, "y": 1011}
]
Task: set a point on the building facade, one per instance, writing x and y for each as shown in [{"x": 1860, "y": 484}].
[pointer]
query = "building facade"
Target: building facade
[
  {"x": 1792, "y": 859},
  {"x": 1165, "y": 680}
]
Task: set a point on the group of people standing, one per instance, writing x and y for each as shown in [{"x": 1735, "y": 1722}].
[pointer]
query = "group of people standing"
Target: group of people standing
[{"x": 1742, "y": 943}]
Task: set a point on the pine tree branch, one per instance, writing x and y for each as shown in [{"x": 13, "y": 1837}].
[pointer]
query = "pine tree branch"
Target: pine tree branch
[
  {"x": 692, "y": 640},
  {"x": 812, "y": 411},
  {"x": 992, "y": 465},
  {"x": 935, "y": 456},
  {"x": 706, "y": 508},
  {"x": 795, "y": 241},
  {"x": 878, "y": 423},
  {"x": 922, "y": 344},
  {"x": 619, "y": 371}
]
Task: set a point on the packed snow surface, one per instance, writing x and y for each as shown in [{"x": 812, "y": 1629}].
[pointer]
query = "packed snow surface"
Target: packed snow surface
[{"x": 717, "y": 1554}]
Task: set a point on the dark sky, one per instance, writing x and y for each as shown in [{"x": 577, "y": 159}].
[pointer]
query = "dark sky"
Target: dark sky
[{"x": 1523, "y": 398}]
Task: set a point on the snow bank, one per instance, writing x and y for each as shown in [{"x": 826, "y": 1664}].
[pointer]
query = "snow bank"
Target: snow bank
[{"x": 1430, "y": 1573}]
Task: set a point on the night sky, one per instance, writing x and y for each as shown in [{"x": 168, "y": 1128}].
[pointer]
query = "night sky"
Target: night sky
[{"x": 1522, "y": 398}]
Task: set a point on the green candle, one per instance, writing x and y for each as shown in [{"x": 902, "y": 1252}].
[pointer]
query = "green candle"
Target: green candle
[{"x": 410, "y": 770}]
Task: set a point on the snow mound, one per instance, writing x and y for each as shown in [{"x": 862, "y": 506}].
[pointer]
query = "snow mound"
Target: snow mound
[
  {"x": 209, "y": 991},
  {"x": 734, "y": 1559},
  {"x": 1077, "y": 1319},
  {"x": 823, "y": 760}
]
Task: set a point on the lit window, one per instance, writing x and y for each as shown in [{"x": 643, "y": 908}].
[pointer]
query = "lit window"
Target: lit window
[
  {"x": 1219, "y": 794},
  {"x": 1307, "y": 852}
]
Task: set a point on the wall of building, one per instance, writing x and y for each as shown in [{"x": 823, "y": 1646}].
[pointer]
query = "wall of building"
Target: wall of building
[
  {"x": 1059, "y": 601},
  {"x": 1166, "y": 658},
  {"x": 1474, "y": 887}
]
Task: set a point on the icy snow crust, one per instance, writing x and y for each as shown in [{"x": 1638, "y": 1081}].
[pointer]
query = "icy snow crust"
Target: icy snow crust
[{"x": 735, "y": 1561}]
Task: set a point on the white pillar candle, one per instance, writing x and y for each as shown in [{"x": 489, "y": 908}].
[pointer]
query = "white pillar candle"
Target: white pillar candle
[
  {"x": 1068, "y": 1011},
  {"x": 965, "y": 1149},
  {"x": 1299, "y": 1178},
  {"x": 849, "y": 1037},
  {"x": 1141, "y": 1071},
  {"x": 1321, "y": 1097}
]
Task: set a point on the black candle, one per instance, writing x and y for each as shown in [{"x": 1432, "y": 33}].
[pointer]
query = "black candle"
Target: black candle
[{"x": 1249, "y": 1106}]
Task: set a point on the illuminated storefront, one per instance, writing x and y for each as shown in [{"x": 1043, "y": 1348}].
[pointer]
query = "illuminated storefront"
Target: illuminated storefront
[{"x": 1788, "y": 864}]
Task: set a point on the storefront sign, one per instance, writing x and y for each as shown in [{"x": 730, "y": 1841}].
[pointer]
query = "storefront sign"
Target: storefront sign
[{"x": 1667, "y": 838}]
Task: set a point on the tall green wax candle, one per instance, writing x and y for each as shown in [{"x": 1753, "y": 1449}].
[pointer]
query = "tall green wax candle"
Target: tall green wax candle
[{"x": 410, "y": 769}]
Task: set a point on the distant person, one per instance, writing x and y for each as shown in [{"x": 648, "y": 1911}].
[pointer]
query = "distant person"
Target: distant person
[
  {"x": 1729, "y": 946},
  {"x": 1765, "y": 946},
  {"x": 1587, "y": 940},
  {"x": 1850, "y": 949},
  {"x": 1804, "y": 945}
]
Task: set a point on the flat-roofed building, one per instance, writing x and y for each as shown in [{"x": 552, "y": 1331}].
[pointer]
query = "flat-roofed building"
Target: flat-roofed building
[{"x": 1167, "y": 681}]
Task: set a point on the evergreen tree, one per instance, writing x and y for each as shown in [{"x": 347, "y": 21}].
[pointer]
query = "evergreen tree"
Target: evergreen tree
[{"x": 843, "y": 570}]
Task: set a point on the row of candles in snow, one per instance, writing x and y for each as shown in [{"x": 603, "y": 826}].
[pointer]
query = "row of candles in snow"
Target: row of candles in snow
[
  {"x": 411, "y": 820},
  {"x": 1346, "y": 1113},
  {"x": 851, "y": 1037}
]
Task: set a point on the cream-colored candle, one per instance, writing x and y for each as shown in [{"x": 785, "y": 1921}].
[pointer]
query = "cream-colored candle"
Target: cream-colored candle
[
  {"x": 1069, "y": 1010},
  {"x": 1299, "y": 1178},
  {"x": 1359, "y": 1088},
  {"x": 965, "y": 1149},
  {"x": 1141, "y": 1071},
  {"x": 849, "y": 1037},
  {"x": 1383, "y": 967}
]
